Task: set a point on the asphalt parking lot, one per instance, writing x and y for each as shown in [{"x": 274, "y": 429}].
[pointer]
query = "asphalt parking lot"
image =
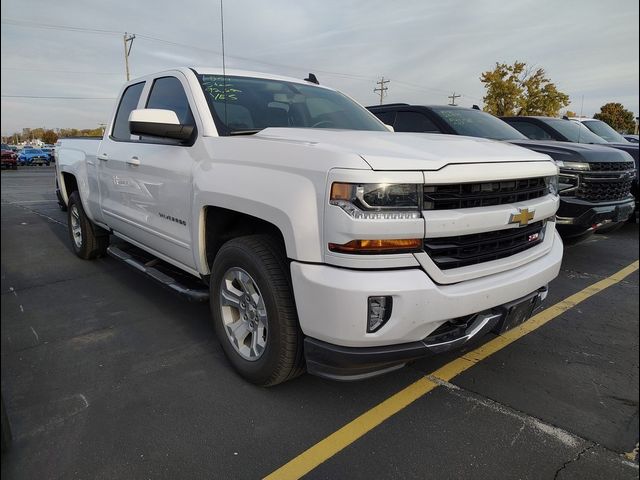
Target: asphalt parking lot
[{"x": 107, "y": 375}]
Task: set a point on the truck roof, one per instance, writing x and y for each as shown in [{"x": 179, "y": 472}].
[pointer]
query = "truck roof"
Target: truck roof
[{"x": 203, "y": 70}]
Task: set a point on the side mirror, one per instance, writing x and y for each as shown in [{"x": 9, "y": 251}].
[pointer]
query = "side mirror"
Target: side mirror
[
  {"x": 389, "y": 127},
  {"x": 159, "y": 123}
]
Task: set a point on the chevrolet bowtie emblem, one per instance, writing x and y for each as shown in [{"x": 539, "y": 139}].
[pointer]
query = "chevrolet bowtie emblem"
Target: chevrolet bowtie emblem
[{"x": 522, "y": 217}]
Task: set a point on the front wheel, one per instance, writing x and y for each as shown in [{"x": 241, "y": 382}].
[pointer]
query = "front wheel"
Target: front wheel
[
  {"x": 254, "y": 312},
  {"x": 87, "y": 240}
]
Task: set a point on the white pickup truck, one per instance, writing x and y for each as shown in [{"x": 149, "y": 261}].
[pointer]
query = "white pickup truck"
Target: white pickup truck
[{"x": 320, "y": 238}]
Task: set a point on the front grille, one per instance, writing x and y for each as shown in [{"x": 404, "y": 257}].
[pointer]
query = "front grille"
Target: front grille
[
  {"x": 604, "y": 189},
  {"x": 482, "y": 194},
  {"x": 611, "y": 166},
  {"x": 464, "y": 250}
]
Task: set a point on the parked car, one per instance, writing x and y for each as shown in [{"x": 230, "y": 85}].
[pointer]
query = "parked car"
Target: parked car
[
  {"x": 565, "y": 130},
  {"x": 602, "y": 129},
  {"x": 13, "y": 148},
  {"x": 9, "y": 159},
  {"x": 589, "y": 198},
  {"x": 50, "y": 151},
  {"x": 630, "y": 137},
  {"x": 325, "y": 239},
  {"x": 33, "y": 156}
]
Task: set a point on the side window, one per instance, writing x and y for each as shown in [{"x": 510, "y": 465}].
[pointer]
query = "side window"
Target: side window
[
  {"x": 532, "y": 131},
  {"x": 129, "y": 102},
  {"x": 386, "y": 117},
  {"x": 414, "y": 122},
  {"x": 167, "y": 94}
]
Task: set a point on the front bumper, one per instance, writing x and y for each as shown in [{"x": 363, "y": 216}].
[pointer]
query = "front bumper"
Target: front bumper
[
  {"x": 352, "y": 363},
  {"x": 332, "y": 302},
  {"x": 576, "y": 216}
]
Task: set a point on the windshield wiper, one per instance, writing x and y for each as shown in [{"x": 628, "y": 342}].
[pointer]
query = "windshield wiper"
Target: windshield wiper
[{"x": 245, "y": 132}]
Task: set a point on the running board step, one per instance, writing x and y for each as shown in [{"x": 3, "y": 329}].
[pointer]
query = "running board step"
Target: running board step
[{"x": 192, "y": 294}]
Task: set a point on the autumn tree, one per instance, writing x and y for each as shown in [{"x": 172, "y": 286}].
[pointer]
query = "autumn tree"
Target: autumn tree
[
  {"x": 618, "y": 117},
  {"x": 49, "y": 136},
  {"x": 521, "y": 90}
]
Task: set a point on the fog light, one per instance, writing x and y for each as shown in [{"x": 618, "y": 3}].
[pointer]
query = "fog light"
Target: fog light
[{"x": 379, "y": 312}]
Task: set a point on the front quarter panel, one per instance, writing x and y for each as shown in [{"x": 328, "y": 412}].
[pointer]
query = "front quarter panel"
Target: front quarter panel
[{"x": 283, "y": 183}]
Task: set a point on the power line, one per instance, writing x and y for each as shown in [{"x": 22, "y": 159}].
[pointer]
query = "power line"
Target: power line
[
  {"x": 49, "y": 26},
  {"x": 19, "y": 69},
  {"x": 58, "y": 98},
  {"x": 29, "y": 24},
  {"x": 382, "y": 89}
]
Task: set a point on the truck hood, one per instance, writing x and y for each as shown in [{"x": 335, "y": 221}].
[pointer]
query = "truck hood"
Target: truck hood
[
  {"x": 575, "y": 152},
  {"x": 630, "y": 148},
  {"x": 405, "y": 151}
]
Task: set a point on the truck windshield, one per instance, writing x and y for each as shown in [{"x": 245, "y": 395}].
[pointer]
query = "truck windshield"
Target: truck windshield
[
  {"x": 247, "y": 105},
  {"x": 475, "y": 123},
  {"x": 574, "y": 131},
  {"x": 605, "y": 131}
]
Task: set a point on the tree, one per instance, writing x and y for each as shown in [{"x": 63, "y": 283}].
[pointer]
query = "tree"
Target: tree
[
  {"x": 618, "y": 117},
  {"x": 49, "y": 136},
  {"x": 520, "y": 90}
]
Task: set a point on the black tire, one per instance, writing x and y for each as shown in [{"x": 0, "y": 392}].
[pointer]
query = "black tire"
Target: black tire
[
  {"x": 93, "y": 240},
  {"x": 264, "y": 259}
]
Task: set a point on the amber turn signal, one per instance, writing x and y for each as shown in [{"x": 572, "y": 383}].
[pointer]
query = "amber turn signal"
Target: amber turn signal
[
  {"x": 341, "y": 191},
  {"x": 403, "y": 245}
]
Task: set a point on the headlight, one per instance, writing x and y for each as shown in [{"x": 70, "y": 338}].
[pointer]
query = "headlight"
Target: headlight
[
  {"x": 377, "y": 201},
  {"x": 552, "y": 184},
  {"x": 580, "y": 166}
]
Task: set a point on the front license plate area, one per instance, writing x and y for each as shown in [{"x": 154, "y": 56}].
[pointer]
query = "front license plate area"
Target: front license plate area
[{"x": 516, "y": 314}]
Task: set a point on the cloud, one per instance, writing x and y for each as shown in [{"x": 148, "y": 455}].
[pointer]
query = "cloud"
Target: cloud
[{"x": 427, "y": 49}]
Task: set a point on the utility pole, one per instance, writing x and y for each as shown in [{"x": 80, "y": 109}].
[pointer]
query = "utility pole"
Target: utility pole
[
  {"x": 128, "y": 39},
  {"x": 453, "y": 99},
  {"x": 382, "y": 89}
]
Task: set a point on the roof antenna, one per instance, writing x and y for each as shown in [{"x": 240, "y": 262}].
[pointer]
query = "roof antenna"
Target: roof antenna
[
  {"x": 475, "y": 107},
  {"x": 224, "y": 70},
  {"x": 311, "y": 78}
]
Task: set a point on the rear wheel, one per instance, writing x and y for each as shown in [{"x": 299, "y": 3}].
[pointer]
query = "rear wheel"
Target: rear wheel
[
  {"x": 253, "y": 310},
  {"x": 87, "y": 240}
]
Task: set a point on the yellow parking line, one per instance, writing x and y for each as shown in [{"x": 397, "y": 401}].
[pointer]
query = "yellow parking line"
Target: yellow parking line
[{"x": 345, "y": 436}]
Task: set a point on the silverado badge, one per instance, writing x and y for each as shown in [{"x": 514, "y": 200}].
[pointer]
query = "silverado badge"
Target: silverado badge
[{"x": 522, "y": 217}]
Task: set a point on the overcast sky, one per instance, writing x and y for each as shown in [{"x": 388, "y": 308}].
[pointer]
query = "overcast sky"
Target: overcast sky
[{"x": 428, "y": 49}]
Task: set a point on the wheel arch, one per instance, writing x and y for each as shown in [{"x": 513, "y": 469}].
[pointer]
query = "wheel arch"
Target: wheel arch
[{"x": 218, "y": 225}]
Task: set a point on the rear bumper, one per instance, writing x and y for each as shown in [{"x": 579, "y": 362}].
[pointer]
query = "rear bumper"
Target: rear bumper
[
  {"x": 351, "y": 363},
  {"x": 576, "y": 216}
]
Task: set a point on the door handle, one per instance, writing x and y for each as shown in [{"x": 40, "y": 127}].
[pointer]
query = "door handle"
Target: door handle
[
  {"x": 103, "y": 156},
  {"x": 135, "y": 161}
]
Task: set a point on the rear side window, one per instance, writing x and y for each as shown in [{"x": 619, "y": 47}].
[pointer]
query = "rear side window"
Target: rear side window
[
  {"x": 532, "y": 131},
  {"x": 128, "y": 103},
  {"x": 167, "y": 93},
  {"x": 414, "y": 122}
]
